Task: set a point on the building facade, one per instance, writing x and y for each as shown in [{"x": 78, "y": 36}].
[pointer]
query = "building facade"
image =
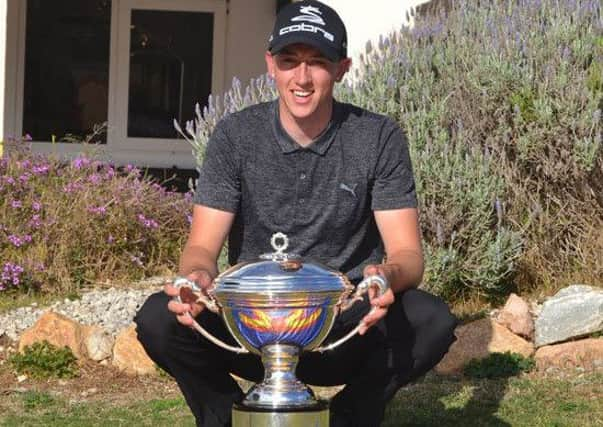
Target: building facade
[{"x": 69, "y": 66}]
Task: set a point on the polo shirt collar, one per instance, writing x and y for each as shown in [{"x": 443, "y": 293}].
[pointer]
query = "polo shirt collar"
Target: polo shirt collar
[{"x": 319, "y": 146}]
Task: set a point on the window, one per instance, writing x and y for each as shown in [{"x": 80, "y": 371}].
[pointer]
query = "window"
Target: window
[
  {"x": 170, "y": 69},
  {"x": 66, "y": 82}
]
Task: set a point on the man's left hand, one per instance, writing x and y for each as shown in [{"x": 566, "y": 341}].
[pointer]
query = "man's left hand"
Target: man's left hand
[{"x": 380, "y": 303}]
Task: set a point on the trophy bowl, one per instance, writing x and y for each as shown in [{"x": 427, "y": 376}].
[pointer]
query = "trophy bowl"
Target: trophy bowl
[{"x": 277, "y": 307}]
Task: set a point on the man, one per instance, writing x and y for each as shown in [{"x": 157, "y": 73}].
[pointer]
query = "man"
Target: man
[{"x": 338, "y": 181}]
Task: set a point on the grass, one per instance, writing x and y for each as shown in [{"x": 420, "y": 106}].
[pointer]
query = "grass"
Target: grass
[{"x": 523, "y": 401}]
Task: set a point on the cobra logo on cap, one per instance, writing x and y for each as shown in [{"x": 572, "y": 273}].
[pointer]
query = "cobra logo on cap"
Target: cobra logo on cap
[{"x": 310, "y": 15}]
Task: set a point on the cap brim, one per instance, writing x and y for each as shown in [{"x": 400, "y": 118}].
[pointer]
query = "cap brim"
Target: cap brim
[{"x": 284, "y": 41}]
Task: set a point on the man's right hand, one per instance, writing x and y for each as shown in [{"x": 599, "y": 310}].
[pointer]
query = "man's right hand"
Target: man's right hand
[{"x": 185, "y": 312}]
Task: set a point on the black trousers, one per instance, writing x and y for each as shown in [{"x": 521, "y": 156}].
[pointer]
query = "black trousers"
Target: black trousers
[{"x": 412, "y": 339}]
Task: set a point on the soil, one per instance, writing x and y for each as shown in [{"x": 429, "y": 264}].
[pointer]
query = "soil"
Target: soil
[
  {"x": 95, "y": 382},
  {"x": 102, "y": 382}
]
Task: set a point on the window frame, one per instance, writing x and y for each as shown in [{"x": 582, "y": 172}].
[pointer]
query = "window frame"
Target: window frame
[{"x": 119, "y": 148}]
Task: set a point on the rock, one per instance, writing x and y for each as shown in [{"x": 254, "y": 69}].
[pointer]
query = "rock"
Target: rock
[
  {"x": 477, "y": 340},
  {"x": 58, "y": 330},
  {"x": 129, "y": 355},
  {"x": 586, "y": 353},
  {"x": 99, "y": 343},
  {"x": 21, "y": 378},
  {"x": 516, "y": 317},
  {"x": 573, "y": 312}
]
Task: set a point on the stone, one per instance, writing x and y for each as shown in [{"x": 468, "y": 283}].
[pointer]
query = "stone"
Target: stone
[
  {"x": 58, "y": 330},
  {"x": 573, "y": 312},
  {"x": 99, "y": 343},
  {"x": 129, "y": 355},
  {"x": 478, "y": 339},
  {"x": 586, "y": 354},
  {"x": 516, "y": 317}
]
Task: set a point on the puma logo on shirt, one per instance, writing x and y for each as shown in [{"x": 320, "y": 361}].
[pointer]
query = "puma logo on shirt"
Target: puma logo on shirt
[{"x": 350, "y": 190}]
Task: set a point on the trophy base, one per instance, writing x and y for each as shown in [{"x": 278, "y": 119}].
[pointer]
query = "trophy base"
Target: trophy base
[{"x": 315, "y": 416}]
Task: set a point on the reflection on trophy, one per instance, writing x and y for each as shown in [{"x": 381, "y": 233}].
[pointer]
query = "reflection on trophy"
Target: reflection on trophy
[{"x": 277, "y": 307}]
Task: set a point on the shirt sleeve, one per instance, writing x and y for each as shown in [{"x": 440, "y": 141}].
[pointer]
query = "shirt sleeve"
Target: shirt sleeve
[
  {"x": 394, "y": 183},
  {"x": 218, "y": 185}
]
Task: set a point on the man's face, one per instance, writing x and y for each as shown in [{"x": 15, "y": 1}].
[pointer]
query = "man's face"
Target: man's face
[{"x": 305, "y": 79}]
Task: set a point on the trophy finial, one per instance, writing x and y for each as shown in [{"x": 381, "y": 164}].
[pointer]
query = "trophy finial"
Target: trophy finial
[{"x": 279, "y": 247}]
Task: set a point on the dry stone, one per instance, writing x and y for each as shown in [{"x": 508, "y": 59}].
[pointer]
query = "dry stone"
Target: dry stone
[
  {"x": 573, "y": 312},
  {"x": 129, "y": 355},
  {"x": 58, "y": 330},
  {"x": 477, "y": 340},
  {"x": 99, "y": 343},
  {"x": 516, "y": 317},
  {"x": 587, "y": 354}
]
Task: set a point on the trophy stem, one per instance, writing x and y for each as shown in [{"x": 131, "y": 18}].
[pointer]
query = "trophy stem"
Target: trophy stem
[{"x": 280, "y": 389}]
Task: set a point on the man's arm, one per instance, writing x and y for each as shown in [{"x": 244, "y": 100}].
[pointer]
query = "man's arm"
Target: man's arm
[
  {"x": 198, "y": 261},
  {"x": 399, "y": 229},
  {"x": 403, "y": 267},
  {"x": 205, "y": 240}
]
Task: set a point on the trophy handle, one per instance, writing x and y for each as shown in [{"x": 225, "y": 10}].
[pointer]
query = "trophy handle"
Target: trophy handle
[
  {"x": 375, "y": 281},
  {"x": 208, "y": 300}
]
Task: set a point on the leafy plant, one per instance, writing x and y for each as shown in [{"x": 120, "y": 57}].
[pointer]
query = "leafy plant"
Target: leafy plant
[
  {"x": 66, "y": 224},
  {"x": 498, "y": 365},
  {"x": 501, "y": 102},
  {"x": 45, "y": 360}
]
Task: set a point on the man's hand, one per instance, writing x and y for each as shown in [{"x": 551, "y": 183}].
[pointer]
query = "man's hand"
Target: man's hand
[
  {"x": 186, "y": 311},
  {"x": 381, "y": 303}
]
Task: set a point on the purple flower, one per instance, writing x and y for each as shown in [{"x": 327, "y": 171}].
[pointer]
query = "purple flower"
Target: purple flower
[
  {"x": 80, "y": 162},
  {"x": 189, "y": 218},
  {"x": 147, "y": 222},
  {"x": 24, "y": 178},
  {"x": 132, "y": 169},
  {"x": 94, "y": 179},
  {"x": 19, "y": 241},
  {"x": 11, "y": 275},
  {"x": 27, "y": 137},
  {"x": 35, "y": 222},
  {"x": 110, "y": 239},
  {"x": 16, "y": 204},
  {"x": 99, "y": 210},
  {"x": 137, "y": 260},
  {"x": 36, "y": 206},
  {"x": 40, "y": 169},
  {"x": 25, "y": 164},
  {"x": 71, "y": 187}
]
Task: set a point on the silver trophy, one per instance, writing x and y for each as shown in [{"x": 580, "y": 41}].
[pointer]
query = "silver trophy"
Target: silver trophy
[{"x": 277, "y": 307}]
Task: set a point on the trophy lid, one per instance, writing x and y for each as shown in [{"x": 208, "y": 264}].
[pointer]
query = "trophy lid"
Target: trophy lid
[{"x": 280, "y": 272}]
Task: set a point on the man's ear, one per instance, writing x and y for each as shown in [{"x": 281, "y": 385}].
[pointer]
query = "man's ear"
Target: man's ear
[
  {"x": 342, "y": 68},
  {"x": 269, "y": 63}
]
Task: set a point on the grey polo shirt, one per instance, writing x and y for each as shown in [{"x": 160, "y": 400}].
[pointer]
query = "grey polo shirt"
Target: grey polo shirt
[{"x": 321, "y": 196}]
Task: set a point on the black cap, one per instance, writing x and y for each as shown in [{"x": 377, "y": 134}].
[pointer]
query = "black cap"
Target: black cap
[{"x": 313, "y": 23}]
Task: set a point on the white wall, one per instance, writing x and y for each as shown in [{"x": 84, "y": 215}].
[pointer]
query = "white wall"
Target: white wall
[
  {"x": 367, "y": 20},
  {"x": 3, "y": 25},
  {"x": 249, "y": 24}
]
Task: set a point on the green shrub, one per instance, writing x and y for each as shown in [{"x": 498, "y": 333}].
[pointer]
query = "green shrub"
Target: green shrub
[
  {"x": 501, "y": 102},
  {"x": 81, "y": 222},
  {"x": 44, "y": 360},
  {"x": 499, "y": 365}
]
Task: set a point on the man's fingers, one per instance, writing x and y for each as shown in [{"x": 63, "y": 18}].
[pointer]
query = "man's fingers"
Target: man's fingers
[
  {"x": 370, "y": 319},
  {"x": 384, "y": 300},
  {"x": 185, "y": 319},
  {"x": 178, "y": 308},
  {"x": 201, "y": 277},
  {"x": 171, "y": 290}
]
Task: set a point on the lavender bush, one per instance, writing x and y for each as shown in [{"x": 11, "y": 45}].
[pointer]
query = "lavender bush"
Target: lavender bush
[
  {"x": 63, "y": 225},
  {"x": 501, "y": 102}
]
